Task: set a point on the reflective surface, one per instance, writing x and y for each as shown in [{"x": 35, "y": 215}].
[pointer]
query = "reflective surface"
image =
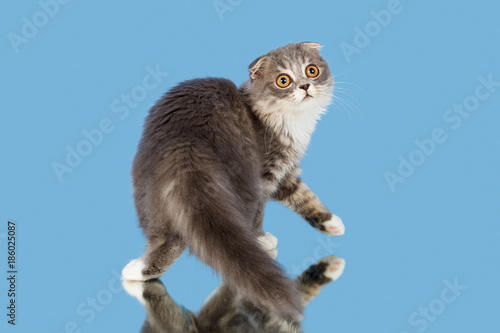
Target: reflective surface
[{"x": 225, "y": 310}]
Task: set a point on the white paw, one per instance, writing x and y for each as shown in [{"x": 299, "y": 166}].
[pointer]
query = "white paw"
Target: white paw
[
  {"x": 273, "y": 253},
  {"x": 133, "y": 271},
  {"x": 135, "y": 289},
  {"x": 335, "y": 267},
  {"x": 269, "y": 243},
  {"x": 334, "y": 226}
]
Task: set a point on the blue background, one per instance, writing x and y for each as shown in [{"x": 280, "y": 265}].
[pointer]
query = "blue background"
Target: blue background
[{"x": 400, "y": 246}]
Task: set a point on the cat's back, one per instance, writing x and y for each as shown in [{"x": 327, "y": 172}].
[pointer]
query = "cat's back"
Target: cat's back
[
  {"x": 205, "y": 118},
  {"x": 209, "y": 110}
]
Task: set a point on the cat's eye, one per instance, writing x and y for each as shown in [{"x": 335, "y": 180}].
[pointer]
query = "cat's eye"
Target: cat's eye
[
  {"x": 283, "y": 81},
  {"x": 312, "y": 71}
]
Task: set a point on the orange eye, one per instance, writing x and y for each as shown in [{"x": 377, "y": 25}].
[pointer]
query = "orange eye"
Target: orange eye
[
  {"x": 283, "y": 81},
  {"x": 312, "y": 71}
]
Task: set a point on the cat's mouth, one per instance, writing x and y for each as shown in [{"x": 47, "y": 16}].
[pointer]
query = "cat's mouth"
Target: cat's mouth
[{"x": 307, "y": 96}]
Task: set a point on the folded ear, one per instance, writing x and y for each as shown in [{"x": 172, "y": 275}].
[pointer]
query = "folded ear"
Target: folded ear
[
  {"x": 257, "y": 66},
  {"x": 312, "y": 45}
]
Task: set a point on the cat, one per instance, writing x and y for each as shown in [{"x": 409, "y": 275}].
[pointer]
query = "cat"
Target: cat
[
  {"x": 211, "y": 156},
  {"x": 226, "y": 311}
]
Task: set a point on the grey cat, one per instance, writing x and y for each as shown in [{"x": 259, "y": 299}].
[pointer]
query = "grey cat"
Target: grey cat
[
  {"x": 226, "y": 311},
  {"x": 210, "y": 158}
]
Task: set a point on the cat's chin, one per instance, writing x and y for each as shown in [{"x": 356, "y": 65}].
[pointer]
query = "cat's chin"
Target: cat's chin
[
  {"x": 310, "y": 104},
  {"x": 307, "y": 97}
]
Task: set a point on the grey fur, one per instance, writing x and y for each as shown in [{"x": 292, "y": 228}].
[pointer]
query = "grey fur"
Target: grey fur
[
  {"x": 225, "y": 311},
  {"x": 209, "y": 159}
]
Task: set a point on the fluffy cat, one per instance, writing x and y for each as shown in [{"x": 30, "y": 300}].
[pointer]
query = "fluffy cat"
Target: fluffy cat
[
  {"x": 211, "y": 156},
  {"x": 226, "y": 311}
]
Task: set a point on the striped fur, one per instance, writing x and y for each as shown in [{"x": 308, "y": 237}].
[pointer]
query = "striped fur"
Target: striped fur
[{"x": 297, "y": 196}]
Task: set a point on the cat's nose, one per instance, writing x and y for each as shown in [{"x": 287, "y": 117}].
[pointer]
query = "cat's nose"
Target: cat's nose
[{"x": 305, "y": 86}]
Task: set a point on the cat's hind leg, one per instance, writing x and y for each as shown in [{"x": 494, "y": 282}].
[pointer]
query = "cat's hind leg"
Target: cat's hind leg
[
  {"x": 163, "y": 313},
  {"x": 161, "y": 252}
]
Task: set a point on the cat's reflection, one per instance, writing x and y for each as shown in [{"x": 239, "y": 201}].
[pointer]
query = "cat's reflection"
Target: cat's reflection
[{"x": 225, "y": 311}]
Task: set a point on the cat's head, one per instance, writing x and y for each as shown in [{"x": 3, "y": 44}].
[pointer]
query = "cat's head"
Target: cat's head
[{"x": 293, "y": 79}]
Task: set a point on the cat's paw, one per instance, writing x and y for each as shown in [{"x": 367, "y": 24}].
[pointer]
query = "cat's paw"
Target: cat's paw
[
  {"x": 135, "y": 289},
  {"x": 334, "y": 267},
  {"x": 269, "y": 243},
  {"x": 273, "y": 253},
  {"x": 333, "y": 227},
  {"x": 133, "y": 271}
]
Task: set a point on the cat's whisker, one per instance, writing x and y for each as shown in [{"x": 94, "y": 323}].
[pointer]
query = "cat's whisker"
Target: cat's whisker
[
  {"x": 346, "y": 104},
  {"x": 340, "y": 104},
  {"x": 337, "y": 88},
  {"x": 350, "y": 83},
  {"x": 354, "y": 104},
  {"x": 351, "y": 103},
  {"x": 337, "y": 75},
  {"x": 340, "y": 85},
  {"x": 336, "y": 106}
]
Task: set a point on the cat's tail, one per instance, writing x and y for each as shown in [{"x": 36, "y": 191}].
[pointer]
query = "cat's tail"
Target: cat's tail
[{"x": 209, "y": 219}]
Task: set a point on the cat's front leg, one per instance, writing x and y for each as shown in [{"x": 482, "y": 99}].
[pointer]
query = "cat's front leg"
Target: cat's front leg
[
  {"x": 297, "y": 196},
  {"x": 317, "y": 276}
]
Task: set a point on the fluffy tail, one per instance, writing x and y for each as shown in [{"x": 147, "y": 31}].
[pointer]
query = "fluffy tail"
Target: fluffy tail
[{"x": 210, "y": 221}]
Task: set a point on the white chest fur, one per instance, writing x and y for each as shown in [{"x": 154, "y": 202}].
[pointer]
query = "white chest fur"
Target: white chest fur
[{"x": 293, "y": 125}]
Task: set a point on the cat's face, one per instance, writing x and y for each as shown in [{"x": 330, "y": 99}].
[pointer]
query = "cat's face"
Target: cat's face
[{"x": 291, "y": 79}]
